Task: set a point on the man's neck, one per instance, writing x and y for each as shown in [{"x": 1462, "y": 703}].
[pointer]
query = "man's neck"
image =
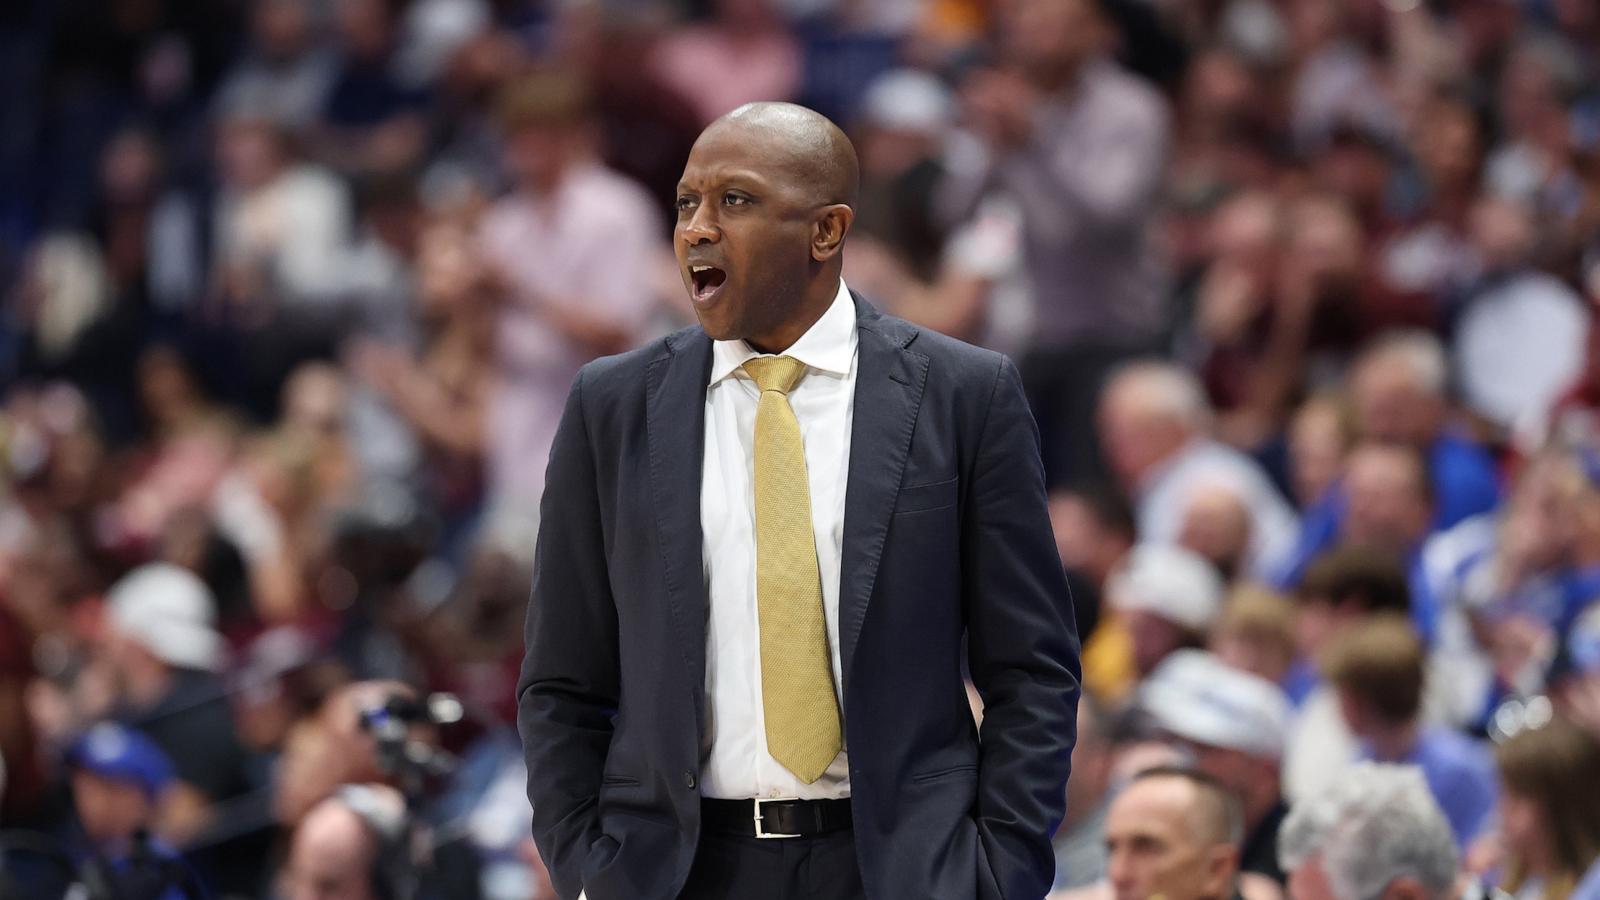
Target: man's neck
[{"x": 811, "y": 311}]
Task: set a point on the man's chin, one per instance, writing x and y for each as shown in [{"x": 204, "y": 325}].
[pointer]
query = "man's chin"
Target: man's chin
[{"x": 717, "y": 329}]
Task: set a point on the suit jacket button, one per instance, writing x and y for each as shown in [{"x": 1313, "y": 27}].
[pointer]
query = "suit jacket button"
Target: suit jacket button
[{"x": 688, "y": 779}]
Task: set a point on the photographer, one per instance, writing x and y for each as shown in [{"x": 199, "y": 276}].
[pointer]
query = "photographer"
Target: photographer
[{"x": 379, "y": 733}]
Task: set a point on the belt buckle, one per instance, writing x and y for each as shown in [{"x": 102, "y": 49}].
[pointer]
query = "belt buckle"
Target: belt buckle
[{"x": 758, "y": 817}]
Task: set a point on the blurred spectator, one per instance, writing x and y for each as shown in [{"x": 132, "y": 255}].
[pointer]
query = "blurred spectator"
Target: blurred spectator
[
  {"x": 349, "y": 847},
  {"x": 1388, "y": 507},
  {"x": 1550, "y": 811},
  {"x": 163, "y": 651},
  {"x": 120, "y": 780},
  {"x": 1398, "y": 396},
  {"x": 1167, "y": 598},
  {"x": 1094, "y": 528},
  {"x": 1080, "y": 146},
  {"x": 1174, "y": 833},
  {"x": 1341, "y": 589},
  {"x": 573, "y": 248},
  {"x": 1234, "y": 724},
  {"x": 1255, "y": 633},
  {"x": 371, "y": 121},
  {"x": 1398, "y": 391},
  {"x": 741, "y": 54},
  {"x": 1154, "y": 423},
  {"x": 1378, "y": 668},
  {"x": 285, "y": 75},
  {"x": 1376, "y": 833},
  {"x": 1320, "y": 435},
  {"x": 1516, "y": 582},
  {"x": 281, "y": 223}
]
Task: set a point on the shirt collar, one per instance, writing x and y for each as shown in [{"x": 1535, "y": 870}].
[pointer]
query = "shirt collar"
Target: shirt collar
[{"x": 829, "y": 345}]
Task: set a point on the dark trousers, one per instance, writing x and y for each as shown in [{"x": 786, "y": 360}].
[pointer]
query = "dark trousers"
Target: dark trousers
[{"x": 749, "y": 868}]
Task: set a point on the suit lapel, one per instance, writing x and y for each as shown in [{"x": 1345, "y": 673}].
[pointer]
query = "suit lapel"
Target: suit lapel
[
  {"x": 675, "y": 432},
  {"x": 889, "y": 383}
]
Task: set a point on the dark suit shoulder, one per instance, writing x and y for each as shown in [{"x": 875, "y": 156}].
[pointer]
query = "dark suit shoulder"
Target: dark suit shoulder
[{"x": 611, "y": 376}]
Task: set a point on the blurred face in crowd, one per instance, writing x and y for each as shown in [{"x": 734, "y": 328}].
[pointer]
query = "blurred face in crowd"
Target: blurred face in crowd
[
  {"x": 760, "y": 227},
  {"x": 1083, "y": 542},
  {"x": 281, "y": 27},
  {"x": 1503, "y": 231},
  {"x": 1318, "y": 620},
  {"x": 539, "y": 154},
  {"x": 250, "y": 153},
  {"x": 1393, "y": 405},
  {"x": 363, "y": 27},
  {"x": 1388, "y": 504},
  {"x": 1049, "y": 40},
  {"x": 1136, "y": 430},
  {"x": 1160, "y": 846},
  {"x": 1542, "y": 517},
  {"x": 1153, "y": 637},
  {"x": 1317, "y": 444},
  {"x": 1216, "y": 525},
  {"x": 110, "y": 810},
  {"x": 331, "y": 857},
  {"x": 1218, "y": 89},
  {"x": 1325, "y": 243},
  {"x": 1449, "y": 145}
]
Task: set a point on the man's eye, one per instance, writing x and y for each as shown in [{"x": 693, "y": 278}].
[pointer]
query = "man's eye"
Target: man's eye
[
  {"x": 684, "y": 203},
  {"x": 735, "y": 200}
]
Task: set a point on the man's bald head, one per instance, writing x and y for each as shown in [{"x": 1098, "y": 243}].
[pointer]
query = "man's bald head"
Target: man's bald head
[
  {"x": 764, "y": 207},
  {"x": 803, "y": 142}
]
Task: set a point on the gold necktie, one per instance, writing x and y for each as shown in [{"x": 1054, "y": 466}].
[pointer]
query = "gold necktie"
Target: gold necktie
[{"x": 802, "y": 711}]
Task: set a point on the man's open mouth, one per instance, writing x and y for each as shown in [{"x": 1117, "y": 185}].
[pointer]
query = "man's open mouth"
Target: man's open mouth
[{"x": 706, "y": 280}]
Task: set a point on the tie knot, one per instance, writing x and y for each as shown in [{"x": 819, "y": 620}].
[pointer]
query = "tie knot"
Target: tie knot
[{"x": 775, "y": 373}]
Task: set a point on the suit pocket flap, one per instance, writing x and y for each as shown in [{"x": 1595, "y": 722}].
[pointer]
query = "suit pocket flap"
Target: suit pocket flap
[{"x": 935, "y": 495}]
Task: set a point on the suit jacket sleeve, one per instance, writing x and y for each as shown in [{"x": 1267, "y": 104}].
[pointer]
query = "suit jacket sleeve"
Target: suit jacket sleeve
[
  {"x": 569, "y": 683},
  {"x": 1022, "y": 647}
]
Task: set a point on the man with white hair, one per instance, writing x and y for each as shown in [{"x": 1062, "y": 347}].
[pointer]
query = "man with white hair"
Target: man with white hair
[
  {"x": 1375, "y": 834},
  {"x": 1155, "y": 426}
]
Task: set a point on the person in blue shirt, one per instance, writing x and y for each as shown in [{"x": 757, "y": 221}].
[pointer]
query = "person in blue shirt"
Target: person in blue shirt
[
  {"x": 119, "y": 778},
  {"x": 1388, "y": 507},
  {"x": 1378, "y": 669},
  {"x": 1397, "y": 396}
]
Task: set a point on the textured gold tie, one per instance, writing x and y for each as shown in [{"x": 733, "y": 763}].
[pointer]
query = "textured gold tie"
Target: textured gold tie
[{"x": 802, "y": 711}]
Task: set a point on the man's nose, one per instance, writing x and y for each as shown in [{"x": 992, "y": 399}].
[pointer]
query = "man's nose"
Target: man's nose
[{"x": 701, "y": 227}]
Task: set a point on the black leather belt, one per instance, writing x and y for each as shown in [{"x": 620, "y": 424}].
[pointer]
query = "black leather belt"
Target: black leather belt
[{"x": 764, "y": 818}]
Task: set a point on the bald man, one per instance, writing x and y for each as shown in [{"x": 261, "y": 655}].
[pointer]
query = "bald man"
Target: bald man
[
  {"x": 1173, "y": 834},
  {"x": 335, "y": 850},
  {"x": 767, "y": 541}
]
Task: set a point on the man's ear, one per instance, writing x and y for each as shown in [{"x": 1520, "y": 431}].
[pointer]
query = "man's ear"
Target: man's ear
[
  {"x": 828, "y": 234},
  {"x": 1222, "y": 865}
]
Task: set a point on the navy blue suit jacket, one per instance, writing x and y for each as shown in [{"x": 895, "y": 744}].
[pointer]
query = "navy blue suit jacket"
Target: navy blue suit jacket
[{"x": 946, "y": 535}]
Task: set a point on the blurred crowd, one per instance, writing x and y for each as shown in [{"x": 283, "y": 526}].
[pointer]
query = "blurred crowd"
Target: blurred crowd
[{"x": 1301, "y": 290}]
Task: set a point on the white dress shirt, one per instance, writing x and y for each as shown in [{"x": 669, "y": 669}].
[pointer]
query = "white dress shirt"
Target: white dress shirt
[{"x": 739, "y": 765}]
